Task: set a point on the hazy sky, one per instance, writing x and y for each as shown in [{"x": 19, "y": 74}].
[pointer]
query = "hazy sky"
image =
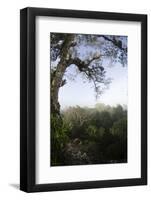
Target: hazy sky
[{"x": 76, "y": 92}]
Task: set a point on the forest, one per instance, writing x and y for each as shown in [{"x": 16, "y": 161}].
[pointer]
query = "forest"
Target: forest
[{"x": 90, "y": 136}]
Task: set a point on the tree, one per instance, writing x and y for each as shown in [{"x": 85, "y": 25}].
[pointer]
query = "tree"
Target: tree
[{"x": 87, "y": 53}]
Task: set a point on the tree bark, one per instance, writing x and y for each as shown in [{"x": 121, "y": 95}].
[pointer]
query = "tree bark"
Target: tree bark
[{"x": 57, "y": 77}]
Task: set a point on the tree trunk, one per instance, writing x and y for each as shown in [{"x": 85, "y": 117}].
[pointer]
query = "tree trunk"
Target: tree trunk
[{"x": 57, "y": 77}]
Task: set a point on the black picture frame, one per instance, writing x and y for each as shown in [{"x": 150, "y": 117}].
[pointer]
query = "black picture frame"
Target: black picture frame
[{"x": 28, "y": 98}]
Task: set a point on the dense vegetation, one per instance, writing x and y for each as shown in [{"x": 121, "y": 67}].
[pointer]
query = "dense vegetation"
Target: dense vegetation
[{"x": 82, "y": 135}]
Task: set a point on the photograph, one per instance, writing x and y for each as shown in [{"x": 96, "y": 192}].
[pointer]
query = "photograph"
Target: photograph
[{"x": 88, "y": 98}]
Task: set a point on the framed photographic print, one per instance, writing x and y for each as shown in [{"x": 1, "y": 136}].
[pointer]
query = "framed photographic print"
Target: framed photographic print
[{"x": 83, "y": 99}]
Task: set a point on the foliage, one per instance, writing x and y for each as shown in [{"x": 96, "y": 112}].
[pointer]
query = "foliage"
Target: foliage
[
  {"x": 89, "y": 136},
  {"x": 60, "y": 131}
]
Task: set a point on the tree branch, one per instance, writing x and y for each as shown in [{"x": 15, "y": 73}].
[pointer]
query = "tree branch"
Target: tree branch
[
  {"x": 83, "y": 64},
  {"x": 94, "y": 72},
  {"x": 115, "y": 42}
]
